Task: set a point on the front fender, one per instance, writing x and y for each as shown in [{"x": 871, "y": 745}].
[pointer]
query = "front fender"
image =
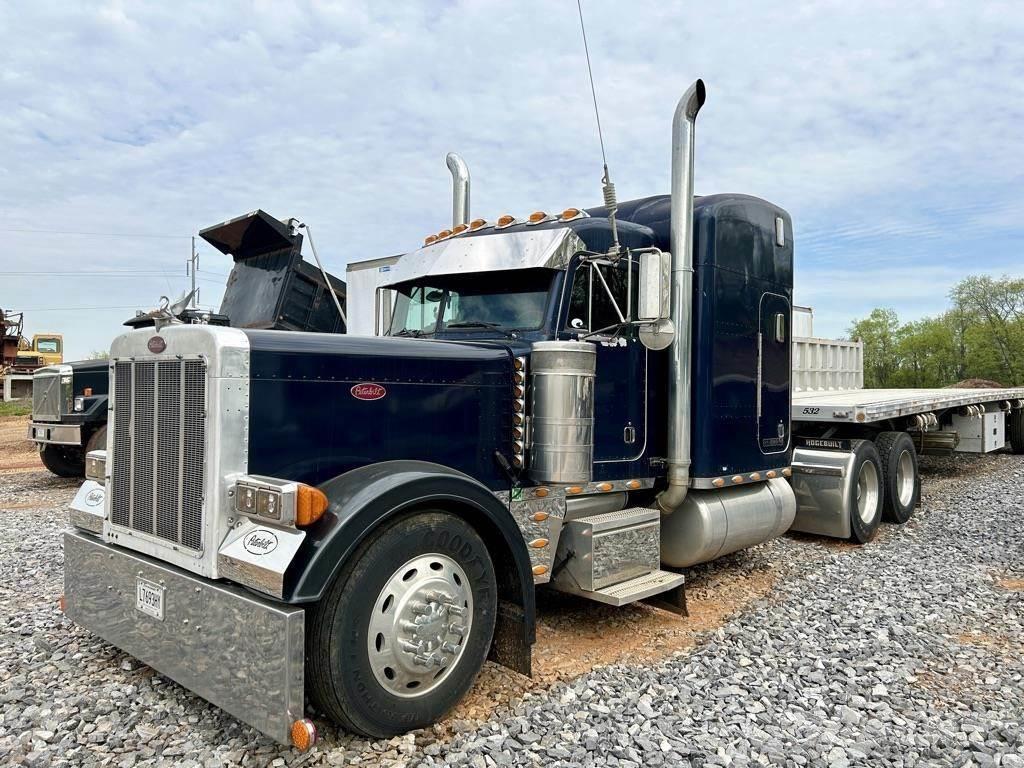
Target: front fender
[{"x": 362, "y": 499}]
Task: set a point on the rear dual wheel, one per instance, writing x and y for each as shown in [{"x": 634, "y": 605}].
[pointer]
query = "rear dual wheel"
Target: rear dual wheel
[
  {"x": 405, "y": 627},
  {"x": 865, "y": 499},
  {"x": 900, "y": 475}
]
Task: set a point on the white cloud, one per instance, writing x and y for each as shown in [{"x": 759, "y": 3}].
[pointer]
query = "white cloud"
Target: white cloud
[{"x": 890, "y": 131}]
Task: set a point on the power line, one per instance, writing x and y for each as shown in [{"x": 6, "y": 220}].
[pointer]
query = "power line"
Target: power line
[
  {"x": 92, "y": 234},
  {"x": 73, "y": 309}
]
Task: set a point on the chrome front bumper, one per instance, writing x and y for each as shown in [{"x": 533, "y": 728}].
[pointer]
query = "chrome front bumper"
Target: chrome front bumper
[
  {"x": 241, "y": 653},
  {"x": 58, "y": 434}
]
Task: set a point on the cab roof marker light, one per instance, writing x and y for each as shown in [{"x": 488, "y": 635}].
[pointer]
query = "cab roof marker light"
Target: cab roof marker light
[
  {"x": 458, "y": 229},
  {"x": 430, "y": 239},
  {"x": 538, "y": 217},
  {"x": 476, "y": 224},
  {"x": 506, "y": 221},
  {"x": 569, "y": 214}
]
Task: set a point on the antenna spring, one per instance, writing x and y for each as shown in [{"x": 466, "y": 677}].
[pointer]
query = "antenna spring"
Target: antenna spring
[{"x": 610, "y": 200}]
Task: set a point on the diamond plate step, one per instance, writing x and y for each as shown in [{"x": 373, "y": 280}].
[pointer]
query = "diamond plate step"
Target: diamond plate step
[{"x": 639, "y": 588}]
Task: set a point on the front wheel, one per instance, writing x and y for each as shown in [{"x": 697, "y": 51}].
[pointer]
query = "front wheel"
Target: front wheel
[
  {"x": 62, "y": 460},
  {"x": 405, "y": 627}
]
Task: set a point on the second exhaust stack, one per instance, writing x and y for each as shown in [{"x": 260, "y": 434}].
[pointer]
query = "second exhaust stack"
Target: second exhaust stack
[{"x": 460, "y": 189}]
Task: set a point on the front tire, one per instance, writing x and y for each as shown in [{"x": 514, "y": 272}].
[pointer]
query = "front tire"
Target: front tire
[
  {"x": 866, "y": 496},
  {"x": 899, "y": 475},
  {"x": 63, "y": 461},
  {"x": 402, "y": 632},
  {"x": 98, "y": 440}
]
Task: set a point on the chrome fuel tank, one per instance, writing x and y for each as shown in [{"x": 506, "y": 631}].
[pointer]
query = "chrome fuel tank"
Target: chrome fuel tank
[
  {"x": 562, "y": 411},
  {"x": 710, "y": 524}
]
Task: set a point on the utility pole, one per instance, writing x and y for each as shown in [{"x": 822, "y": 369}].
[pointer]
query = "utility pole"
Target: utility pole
[{"x": 192, "y": 266}]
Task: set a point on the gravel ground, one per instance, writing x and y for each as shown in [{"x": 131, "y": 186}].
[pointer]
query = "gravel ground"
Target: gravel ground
[{"x": 804, "y": 651}]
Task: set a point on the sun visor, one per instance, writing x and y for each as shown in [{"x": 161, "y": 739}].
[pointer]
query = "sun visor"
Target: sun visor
[{"x": 253, "y": 234}]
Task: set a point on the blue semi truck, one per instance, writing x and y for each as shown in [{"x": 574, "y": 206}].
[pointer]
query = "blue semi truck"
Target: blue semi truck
[{"x": 587, "y": 402}]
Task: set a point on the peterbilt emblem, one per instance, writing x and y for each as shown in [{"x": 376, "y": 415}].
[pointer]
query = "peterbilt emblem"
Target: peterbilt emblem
[
  {"x": 260, "y": 542},
  {"x": 156, "y": 344},
  {"x": 94, "y": 497},
  {"x": 368, "y": 391}
]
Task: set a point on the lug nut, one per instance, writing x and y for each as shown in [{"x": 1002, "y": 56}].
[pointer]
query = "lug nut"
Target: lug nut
[
  {"x": 449, "y": 648},
  {"x": 408, "y": 647},
  {"x": 408, "y": 626},
  {"x": 456, "y": 610},
  {"x": 457, "y": 629},
  {"x": 420, "y": 609}
]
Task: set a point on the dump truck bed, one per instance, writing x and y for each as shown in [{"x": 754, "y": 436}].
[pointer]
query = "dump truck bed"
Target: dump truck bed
[{"x": 862, "y": 406}]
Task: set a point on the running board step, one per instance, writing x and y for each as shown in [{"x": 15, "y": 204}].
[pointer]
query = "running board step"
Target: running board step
[{"x": 639, "y": 588}]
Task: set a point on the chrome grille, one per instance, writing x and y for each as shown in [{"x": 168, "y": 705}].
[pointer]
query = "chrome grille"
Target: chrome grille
[
  {"x": 159, "y": 448},
  {"x": 46, "y": 396}
]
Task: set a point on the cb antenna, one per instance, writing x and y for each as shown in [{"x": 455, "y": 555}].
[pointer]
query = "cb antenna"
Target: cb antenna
[{"x": 607, "y": 186}]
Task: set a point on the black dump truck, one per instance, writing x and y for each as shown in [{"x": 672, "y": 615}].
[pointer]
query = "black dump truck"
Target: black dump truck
[{"x": 270, "y": 287}]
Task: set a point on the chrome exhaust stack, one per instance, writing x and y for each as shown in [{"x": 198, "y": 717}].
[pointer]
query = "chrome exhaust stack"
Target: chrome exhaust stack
[
  {"x": 460, "y": 189},
  {"x": 681, "y": 235}
]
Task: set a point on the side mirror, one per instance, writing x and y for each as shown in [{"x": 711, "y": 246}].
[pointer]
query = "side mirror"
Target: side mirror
[
  {"x": 654, "y": 305},
  {"x": 655, "y": 281}
]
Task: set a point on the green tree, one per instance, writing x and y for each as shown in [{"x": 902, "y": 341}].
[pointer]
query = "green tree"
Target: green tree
[
  {"x": 998, "y": 305},
  {"x": 880, "y": 331}
]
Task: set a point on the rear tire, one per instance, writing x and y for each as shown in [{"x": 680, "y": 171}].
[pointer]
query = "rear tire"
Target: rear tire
[
  {"x": 1015, "y": 431},
  {"x": 866, "y": 496},
  {"x": 63, "y": 461},
  {"x": 899, "y": 476},
  {"x": 384, "y": 650}
]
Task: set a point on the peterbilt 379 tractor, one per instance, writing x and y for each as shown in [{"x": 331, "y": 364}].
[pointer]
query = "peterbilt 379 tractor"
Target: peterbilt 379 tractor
[{"x": 587, "y": 402}]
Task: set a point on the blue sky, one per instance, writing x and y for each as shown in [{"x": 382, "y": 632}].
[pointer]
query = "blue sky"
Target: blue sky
[{"x": 891, "y": 132}]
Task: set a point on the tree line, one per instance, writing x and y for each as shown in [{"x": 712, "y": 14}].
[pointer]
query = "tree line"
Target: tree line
[{"x": 981, "y": 336}]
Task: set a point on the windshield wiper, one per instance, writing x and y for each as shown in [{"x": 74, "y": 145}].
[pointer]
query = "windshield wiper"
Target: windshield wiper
[
  {"x": 481, "y": 324},
  {"x": 409, "y": 332}
]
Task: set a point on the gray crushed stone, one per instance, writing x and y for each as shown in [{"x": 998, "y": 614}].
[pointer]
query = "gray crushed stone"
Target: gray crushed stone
[{"x": 906, "y": 652}]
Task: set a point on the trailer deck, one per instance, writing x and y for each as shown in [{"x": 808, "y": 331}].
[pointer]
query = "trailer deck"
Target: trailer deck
[{"x": 862, "y": 406}]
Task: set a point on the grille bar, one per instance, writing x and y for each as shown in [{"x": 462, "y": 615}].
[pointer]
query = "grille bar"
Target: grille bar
[
  {"x": 159, "y": 449},
  {"x": 46, "y": 396}
]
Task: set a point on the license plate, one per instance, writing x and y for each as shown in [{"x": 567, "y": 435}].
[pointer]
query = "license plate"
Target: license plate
[
  {"x": 149, "y": 598},
  {"x": 40, "y": 433}
]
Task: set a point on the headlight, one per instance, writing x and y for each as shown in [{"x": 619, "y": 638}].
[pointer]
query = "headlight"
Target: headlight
[
  {"x": 280, "y": 501},
  {"x": 96, "y": 466},
  {"x": 79, "y": 403}
]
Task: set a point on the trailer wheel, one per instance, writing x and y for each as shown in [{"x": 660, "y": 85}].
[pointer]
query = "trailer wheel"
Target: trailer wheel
[
  {"x": 404, "y": 628},
  {"x": 866, "y": 492},
  {"x": 899, "y": 474},
  {"x": 1015, "y": 431},
  {"x": 62, "y": 460}
]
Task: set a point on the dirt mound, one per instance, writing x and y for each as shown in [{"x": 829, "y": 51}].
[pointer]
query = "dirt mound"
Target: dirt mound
[{"x": 976, "y": 384}]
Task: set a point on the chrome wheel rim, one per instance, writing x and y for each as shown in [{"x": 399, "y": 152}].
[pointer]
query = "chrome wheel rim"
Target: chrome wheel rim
[
  {"x": 420, "y": 623},
  {"x": 867, "y": 491},
  {"x": 905, "y": 478}
]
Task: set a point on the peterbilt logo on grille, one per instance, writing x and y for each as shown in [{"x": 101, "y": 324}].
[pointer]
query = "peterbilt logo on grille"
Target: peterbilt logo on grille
[
  {"x": 260, "y": 542},
  {"x": 368, "y": 391},
  {"x": 156, "y": 344},
  {"x": 94, "y": 497}
]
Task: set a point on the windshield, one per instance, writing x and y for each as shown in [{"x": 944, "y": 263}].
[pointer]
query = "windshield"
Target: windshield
[{"x": 508, "y": 301}]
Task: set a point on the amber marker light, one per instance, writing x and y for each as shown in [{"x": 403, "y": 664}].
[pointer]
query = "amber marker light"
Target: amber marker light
[
  {"x": 310, "y": 505},
  {"x": 537, "y": 216},
  {"x": 304, "y": 734},
  {"x": 570, "y": 213},
  {"x": 755, "y": 475},
  {"x": 430, "y": 239},
  {"x": 540, "y": 570},
  {"x": 539, "y": 517},
  {"x": 539, "y": 543},
  {"x": 787, "y": 472},
  {"x": 633, "y": 485},
  {"x": 718, "y": 482},
  {"x": 477, "y": 223},
  {"x": 540, "y": 493},
  {"x": 504, "y": 221},
  {"x": 605, "y": 487},
  {"x": 459, "y": 229},
  {"x": 737, "y": 478},
  {"x": 574, "y": 489},
  {"x": 443, "y": 234},
  {"x": 87, "y": 391},
  {"x": 771, "y": 474}
]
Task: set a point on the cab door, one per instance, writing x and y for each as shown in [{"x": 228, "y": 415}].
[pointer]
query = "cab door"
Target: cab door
[
  {"x": 620, "y": 389},
  {"x": 773, "y": 372}
]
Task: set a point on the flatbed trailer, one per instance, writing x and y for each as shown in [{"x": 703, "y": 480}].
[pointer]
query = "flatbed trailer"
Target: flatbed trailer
[
  {"x": 868, "y": 406},
  {"x": 852, "y": 444}
]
